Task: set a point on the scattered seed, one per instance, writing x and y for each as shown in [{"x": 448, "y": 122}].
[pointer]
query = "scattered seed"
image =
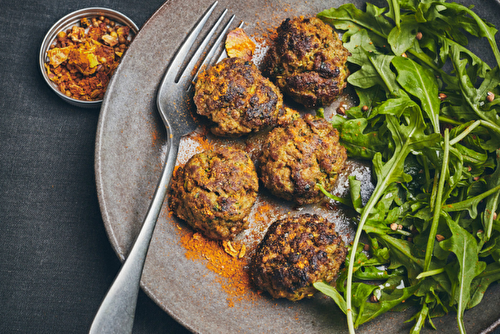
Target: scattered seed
[
  {"x": 419, "y": 36},
  {"x": 442, "y": 96},
  {"x": 373, "y": 299},
  {"x": 494, "y": 216},
  {"x": 490, "y": 97},
  {"x": 242, "y": 251},
  {"x": 439, "y": 237},
  {"x": 341, "y": 110},
  {"x": 394, "y": 226},
  {"x": 364, "y": 108},
  {"x": 404, "y": 55},
  {"x": 480, "y": 231},
  {"x": 366, "y": 247},
  {"x": 400, "y": 227}
]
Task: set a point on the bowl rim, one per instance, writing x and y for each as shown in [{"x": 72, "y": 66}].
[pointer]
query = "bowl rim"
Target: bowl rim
[{"x": 61, "y": 25}]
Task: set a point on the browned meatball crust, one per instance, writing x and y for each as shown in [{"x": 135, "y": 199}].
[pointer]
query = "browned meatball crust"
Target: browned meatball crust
[
  {"x": 214, "y": 192},
  {"x": 308, "y": 61},
  {"x": 295, "y": 253},
  {"x": 297, "y": 157},
  {"x": 237, "y": 99}
]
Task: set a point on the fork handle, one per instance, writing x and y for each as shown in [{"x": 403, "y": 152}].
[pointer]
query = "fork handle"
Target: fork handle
[{"x": 117, "y": 310}]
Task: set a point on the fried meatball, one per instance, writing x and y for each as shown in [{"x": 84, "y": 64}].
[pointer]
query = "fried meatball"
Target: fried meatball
[
  {"x": 297, "y": 157},
  {"x": 295, "y": 253},
  {"x": 214, "y": 192},
  {"x": 308, "y": 61},
  {"x": 237, "y": 99}
]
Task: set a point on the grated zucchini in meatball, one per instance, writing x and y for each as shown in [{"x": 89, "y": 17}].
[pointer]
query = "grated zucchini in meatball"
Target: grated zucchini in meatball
[
  {"x": 237, "y": 99},
  {"x": 214, "y": 192},
  {"x": 295, "y": 253},
  {"x": 308, "y": 61},
  {"x": 297, "y": 157}
]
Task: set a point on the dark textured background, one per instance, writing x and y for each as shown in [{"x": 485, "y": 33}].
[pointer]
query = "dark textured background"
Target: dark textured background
[{"x": 56, "y": 262}]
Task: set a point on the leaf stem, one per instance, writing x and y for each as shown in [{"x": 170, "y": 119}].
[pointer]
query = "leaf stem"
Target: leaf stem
[
  {"x": 393, "y": 242},
  {"x": 449, "y": 120},
  {"x": 457, "y": 206},
  {"x": 489, "y": 220},
  {"x": 430, "y": 273},
  {"x": 335, "y": 198},
  {"x": 426, "y": 173},
  {"x": 465, "y": 132},
  {"x": 432, "y": 200},
  {"x": 489, "y": 273},
  {"x": 377, "y": 194},
  {"x": 471, "y": 127},
  {"x": 491, "y": 126},
  {"x": 437, "y": 206},
  {"x": 458, "y": 172}
]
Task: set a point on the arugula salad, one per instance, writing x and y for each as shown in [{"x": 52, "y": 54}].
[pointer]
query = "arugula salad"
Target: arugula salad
[{"x": 428, "y": 119}]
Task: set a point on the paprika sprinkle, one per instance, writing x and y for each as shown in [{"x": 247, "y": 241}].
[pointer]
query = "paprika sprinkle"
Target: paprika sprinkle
[{"x": 231, "y": 271}]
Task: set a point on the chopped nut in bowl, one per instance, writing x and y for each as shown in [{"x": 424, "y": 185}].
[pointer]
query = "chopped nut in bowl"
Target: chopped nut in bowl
[{"x": 81, "y": 52}]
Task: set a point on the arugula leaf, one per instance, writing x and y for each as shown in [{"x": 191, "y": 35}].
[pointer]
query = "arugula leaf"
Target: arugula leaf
[
  {"x": 394, "y": 12},
  {"x": 348, "y": 16},
  {"x": 446, "y": 44},
  {"x": 472, "y": 95},
  {"x": 484, "y": 30},
  {"x": 464, "y": 245},
  {"x": 397, "y": 107},
  {"x": 448, "y": 187},
  {"x": 375, "y": 72},
  {"x": 480, "y": 283},
  {"x": 391, "y": 295},
  {"x": 402, "y": 37},
  {"x": 331, "y": 292},
  {"x": 471, "y": 203},
  {"x": 420, "y": 83},
  {"x": 406, "y": 138},
  {"x": 420, "y": 319},
  {"x": 492, "y": 202},
  {"x": 358, "y": 142},
  {"x": 355, "y": 192},
  {"x": 367, "y": 97},
  {"x": 358, "y": 44}
]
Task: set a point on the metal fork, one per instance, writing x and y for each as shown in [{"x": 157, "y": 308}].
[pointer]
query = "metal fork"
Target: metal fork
[{"x": 117, "y": 310}]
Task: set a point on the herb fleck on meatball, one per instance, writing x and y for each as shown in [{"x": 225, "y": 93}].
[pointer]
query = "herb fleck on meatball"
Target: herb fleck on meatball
[
  {"x": 237, "y": 99},
  {"x": 308, "y": 61},
  {"x": 295, "y": 253},
  {"x": 297, "y": 157},
  {"x": 214, "y": 192}
]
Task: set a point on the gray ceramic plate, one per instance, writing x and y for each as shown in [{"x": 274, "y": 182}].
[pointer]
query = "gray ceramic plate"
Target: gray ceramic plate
[{"x": 129, "y": 155}]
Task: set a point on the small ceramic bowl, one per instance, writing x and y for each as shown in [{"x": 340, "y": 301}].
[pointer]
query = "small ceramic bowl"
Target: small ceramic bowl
[{"x": 67, "y": 22}]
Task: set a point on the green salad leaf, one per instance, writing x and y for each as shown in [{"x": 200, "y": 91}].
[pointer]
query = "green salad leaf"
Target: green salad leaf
[
  {"x": 420, "y": 83},
  {"x": 429, "y": 120}
]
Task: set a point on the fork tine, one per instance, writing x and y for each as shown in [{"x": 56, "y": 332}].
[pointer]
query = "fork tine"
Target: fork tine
[
  {"x": 186, "y": 75},
  {"x": 181, "y": 55},
  {"x": 208, "y": 59}
]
